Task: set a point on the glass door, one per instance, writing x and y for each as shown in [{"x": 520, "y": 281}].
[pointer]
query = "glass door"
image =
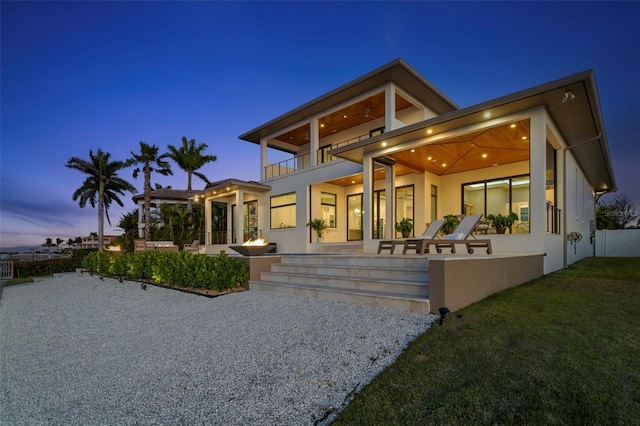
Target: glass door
[{"x": 354, "y": 217}]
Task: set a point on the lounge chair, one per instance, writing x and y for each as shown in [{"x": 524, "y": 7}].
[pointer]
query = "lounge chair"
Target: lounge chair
[
  {"x": 462, "y": 235},
  {"x": 193, "y": 247},
  {"x": 417, "y": 243}
]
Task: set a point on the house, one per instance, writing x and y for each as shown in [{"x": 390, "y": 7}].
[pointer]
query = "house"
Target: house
[
  {"x": 167, "y": 196},
  {"x": 91, "y": 242},
  {"x": 389, "y": 145}
]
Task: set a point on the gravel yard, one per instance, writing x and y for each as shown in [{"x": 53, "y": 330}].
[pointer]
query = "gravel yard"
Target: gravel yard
[{"x": 77, "y": 350}]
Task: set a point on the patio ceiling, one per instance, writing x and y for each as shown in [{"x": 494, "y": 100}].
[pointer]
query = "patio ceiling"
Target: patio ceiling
[
  {"x": 351, "y": 116},
  {"x": 571, "y": 102},
  {"x": 491, "y": 147}
]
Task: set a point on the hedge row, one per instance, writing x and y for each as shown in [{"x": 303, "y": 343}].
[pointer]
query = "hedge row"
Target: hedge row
[
  {"x": 172, "y": 268},
  {"x": 46, "y": 267}
]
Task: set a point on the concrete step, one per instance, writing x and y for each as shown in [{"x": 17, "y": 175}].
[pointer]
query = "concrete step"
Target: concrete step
[
  {"x": 386, "y": 273},
  {"x": 409, "y": 288},
  {"x": 378, "y": 261},
  {"x": 368, "y": 297},
  {"x": 398, "y": 282}
]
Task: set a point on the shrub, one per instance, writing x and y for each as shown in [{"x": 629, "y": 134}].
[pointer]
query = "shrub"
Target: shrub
[{"x": 181, "y": 269}]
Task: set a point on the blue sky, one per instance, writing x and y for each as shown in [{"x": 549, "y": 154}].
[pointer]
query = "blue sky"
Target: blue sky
[{"x": 86, "y": 75}]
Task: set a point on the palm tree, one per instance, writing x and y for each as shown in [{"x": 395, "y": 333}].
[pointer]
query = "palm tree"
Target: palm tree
[
  {"x": 101, "y": 186},
  {"x": 150, "y": 161},
  {"x": 190, "y": 158}
]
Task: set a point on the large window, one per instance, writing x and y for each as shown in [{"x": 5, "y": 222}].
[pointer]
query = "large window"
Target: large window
[
  {"x": 323, "y": 154},
  {"x": 283, "y": 211},
  {"x": 379, "y": 208},
  {"x": 328, "y": 203},
  {"x": 499, "y": 196}
]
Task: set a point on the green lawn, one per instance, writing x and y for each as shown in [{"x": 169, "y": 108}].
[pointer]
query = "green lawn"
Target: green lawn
[{"x": 562, "y": 349}]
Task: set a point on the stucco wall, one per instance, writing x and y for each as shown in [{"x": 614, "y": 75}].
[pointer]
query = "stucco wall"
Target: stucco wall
[{"x": 459, "y": 282}]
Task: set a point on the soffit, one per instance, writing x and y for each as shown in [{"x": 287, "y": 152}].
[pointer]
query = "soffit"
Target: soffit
[
  {"x": 396, "y": 71},
  {"x": 578, "y": 120}
]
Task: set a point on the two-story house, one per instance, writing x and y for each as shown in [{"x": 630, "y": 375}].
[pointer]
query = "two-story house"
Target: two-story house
[{"x": 389, "y": 145}]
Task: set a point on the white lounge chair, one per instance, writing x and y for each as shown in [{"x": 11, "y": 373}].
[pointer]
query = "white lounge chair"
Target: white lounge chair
[
  {"x": 417, "y": 243},
  {"x": 462, "y": 235}
]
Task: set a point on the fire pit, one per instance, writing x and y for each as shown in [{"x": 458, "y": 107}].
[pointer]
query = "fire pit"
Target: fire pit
[{"x": 255, "y": 248}]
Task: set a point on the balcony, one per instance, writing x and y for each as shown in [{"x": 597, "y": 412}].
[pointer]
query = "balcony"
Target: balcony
[{"x": 303, "y": 161}]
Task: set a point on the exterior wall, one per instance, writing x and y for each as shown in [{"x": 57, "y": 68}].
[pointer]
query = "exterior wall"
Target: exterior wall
[
  {"x": 456, "y": 282},
  {"x": 295, "y": 240},
  {"x": 579, "y": 211}
]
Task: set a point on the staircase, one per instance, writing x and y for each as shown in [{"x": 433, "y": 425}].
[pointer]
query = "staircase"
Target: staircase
[{"x": 398, "y": 282}]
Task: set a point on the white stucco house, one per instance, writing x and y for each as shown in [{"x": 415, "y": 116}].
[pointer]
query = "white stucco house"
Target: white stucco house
[{"x": 390, "y": 145}]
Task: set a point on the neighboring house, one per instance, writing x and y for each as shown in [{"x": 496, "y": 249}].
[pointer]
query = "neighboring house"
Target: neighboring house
[
  {"x": 158, "y": 197},
  {"x": 91, "y": 242},
  {"x": 390, "y": 145}
]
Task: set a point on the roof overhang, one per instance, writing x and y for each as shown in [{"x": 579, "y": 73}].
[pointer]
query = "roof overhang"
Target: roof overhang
[
  {"x": 228, "y": 186},
  {"x": 579, "y": 121},
  {"x": 397, "y": 71}
]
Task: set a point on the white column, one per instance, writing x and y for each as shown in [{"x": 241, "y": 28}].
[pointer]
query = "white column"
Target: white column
[
  {"x": 367, "y": 197},
  {"x": 239, "y": 216},
  {"x": 537, "y": 170},
  {"x": 390, "y": 203},
  {"x": 389, "y": 108},
  {"x": 141, "y": 219},
  {"x": 263, "y": 158},
  {"x": 207, "y": 221}
]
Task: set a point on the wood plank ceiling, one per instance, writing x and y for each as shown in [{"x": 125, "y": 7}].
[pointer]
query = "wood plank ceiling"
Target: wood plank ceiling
[
  {"x": 490, "y": 147},
  {"x": 353, "y": 115}
]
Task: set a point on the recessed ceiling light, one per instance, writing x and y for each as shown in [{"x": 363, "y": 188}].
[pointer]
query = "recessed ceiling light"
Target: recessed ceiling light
[
  {"x": 513, "y": 126},
  {"x": 429, "y": 158},
  {"x": 429, "y": 131},
  {"x": 384, "y": 144},
  {"x": 413, "y": 150},
  {"x": 353, "y": 181},
  {"x": 345, "y": 116},
  {"x": 228, "y": 189},
  {"x": 484, "y": 155},
  {"x": 487, "y": 114},
  {"x": 524, "y": 138},
  {"x": 444, "y": 164},
  {"x": 321, "y": 124}
]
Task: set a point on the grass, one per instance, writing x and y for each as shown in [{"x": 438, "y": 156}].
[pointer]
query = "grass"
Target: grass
[
  {"x": 562, "y": 349},
  {"x": 15, "y": 281}
]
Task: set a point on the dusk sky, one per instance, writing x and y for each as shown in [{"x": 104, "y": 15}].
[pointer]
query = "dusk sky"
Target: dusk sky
[{"x": 80, "y": 76}]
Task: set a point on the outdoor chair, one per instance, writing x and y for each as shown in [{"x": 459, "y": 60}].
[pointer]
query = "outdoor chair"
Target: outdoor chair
[
  {"x": 193, "y": 247},
  {"x": 462, "y": 235},
  {"x": 417, "y": 243}
]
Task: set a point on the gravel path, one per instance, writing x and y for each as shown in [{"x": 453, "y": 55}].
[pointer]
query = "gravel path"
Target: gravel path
[{"x": 76, "y": 350}]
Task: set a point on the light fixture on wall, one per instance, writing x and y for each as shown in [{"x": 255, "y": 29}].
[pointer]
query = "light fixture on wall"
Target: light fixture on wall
[{"x": 568, "y": 96}]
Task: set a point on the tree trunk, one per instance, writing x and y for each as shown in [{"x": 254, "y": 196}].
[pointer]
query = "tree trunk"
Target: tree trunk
[
  {"x": 147, "y": 203},
  {"x": 101, "y": 216}
]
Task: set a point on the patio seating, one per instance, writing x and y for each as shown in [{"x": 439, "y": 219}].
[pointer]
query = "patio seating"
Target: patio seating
[
  {"x": 462, "y": 235},
  {"x": 417, "y": 243},
  {"x": 193, "y": 247}
]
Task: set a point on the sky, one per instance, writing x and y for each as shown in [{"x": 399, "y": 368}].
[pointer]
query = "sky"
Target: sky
[{"x": 81, "y": 76}]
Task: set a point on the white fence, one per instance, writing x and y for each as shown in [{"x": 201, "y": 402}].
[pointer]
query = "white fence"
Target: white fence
[
  {"x": 618, "y": 243},
  {"x": 6, "y": 269}
]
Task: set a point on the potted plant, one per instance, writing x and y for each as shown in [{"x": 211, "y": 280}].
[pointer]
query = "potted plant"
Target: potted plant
[
  {"x": 451, "y": 222},
  {"x": 318, "y": 225},
  {"x": 404, "y": 227},
  {"x": 501, "y": 223}
]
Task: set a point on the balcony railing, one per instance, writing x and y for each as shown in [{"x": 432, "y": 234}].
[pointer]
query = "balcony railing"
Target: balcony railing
[
  {"x": 553, "y": 219},
  {"x": 303, "y": 161}
]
